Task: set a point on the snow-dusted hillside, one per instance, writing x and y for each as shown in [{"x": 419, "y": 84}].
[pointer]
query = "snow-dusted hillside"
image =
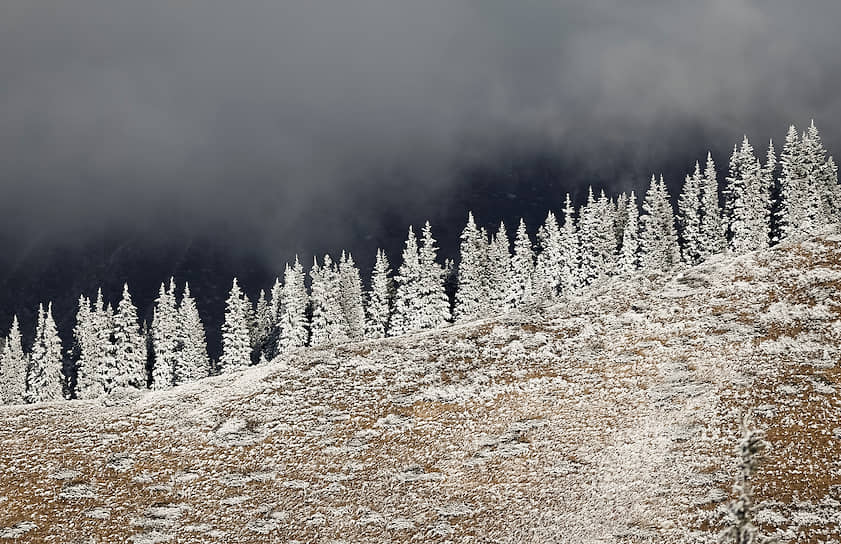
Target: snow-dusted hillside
[{"x": 609, "y": 418}]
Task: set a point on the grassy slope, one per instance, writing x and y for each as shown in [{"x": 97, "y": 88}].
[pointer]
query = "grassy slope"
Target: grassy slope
[{"x": 610, "y": 418}]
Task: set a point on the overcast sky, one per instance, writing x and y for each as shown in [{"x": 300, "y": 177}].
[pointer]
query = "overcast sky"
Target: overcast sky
[{"x": 269, "y": 121}]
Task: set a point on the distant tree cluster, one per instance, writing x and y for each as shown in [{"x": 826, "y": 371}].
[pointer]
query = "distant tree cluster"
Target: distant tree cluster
[{"x": 604, "y": 237}]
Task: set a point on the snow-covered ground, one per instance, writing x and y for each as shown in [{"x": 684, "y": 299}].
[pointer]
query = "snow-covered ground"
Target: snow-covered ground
[{"x": 609, "y": 418}]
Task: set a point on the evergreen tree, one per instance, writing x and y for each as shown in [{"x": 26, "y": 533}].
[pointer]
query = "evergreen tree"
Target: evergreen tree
[
  {"x": 328, "y": 321},
  {"x": 570, "y": 251},
  {"x": 605, "y": 237},
  {"x": 629, "y": 255},
  {"x": 378, "y": 308},
  {"x": 89, "y": 383},
  {"x": 549, "y": 268},
  {"x": 659, "y": 249},
  {"x": 275, "y": 313},
  {"x": 500, "y": 273},
  {"x": 620, "y": 219},
  {"x": 292, "y": 321},
  {"x": 129, "y": 346},
  {"x": 589, "y": 225},
  {"x": 407, "y": 297},
  {"x": 13, "y": 365},
  {"x": 236, "y": 339},
  {"x": 166, "y": 338},
  {"x": 433, "y": 309},
  {"x": 261, "y": 326},
  {"x": 748, "y": 201},
  {"x": 712, "y": 230},
  {"x": 522, "y": 266},
  {"x": 193, "y": 362},
  {"x": 472, "y": 273},
  {"x": 689, "y": 216},
  {"x": 44, "y": 380},
  {"x": 350, "y": 292}
]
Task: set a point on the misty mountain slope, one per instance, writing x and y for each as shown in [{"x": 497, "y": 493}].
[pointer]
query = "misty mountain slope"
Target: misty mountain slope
[{"x": 608, "y": 418}]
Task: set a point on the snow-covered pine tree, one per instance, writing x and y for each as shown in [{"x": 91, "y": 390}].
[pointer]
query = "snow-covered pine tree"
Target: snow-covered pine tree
[
  {"x": 350, "y": 297},
  {"x": 589, "y": 225},
  {"x": 522, "y": 266},
  {"x": 102, "y": 316},
  {"x": 44, "y": 379},
  {"x": 88, "y": 381},
  {"x": 472, "y": 273},
  {"x": 712, "y": 230},
  {"x": 193, "y": 362},
  {"x": 629, "y": 252},
  {"x": 13, "y": 364},
  {"x": 236, "y": 338},
  {"x": 328, "y": 320},
  {"x": 748, "y": 201},
  {"x": 261, "y": 326},
  {"x": 570, "y": 251},
  {"x": 796, "y": 206},
  {"x": 166, "y": 338},
  {"x": 434, "y": 307},
  {"x": 292, "y": 322},
  {"x": 129, "y": 346},
  {"x": 822, "y": 175},
  {"x": 378, "y": 307},
  {"x": 275, "y": 313},
  {"x": 620, "y": 219},
  {"x": 407, "y": 296},
  {"x": 689, "y": 216},
  {"x": 500, "y": 273},
  {"x": 605, "y": 237},
  {"x": 659, "y": 249},
  {"x": 549, "y": 267}
]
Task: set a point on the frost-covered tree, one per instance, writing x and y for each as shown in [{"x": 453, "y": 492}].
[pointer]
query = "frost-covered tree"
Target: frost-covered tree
[
  {"x": 522, "y": 266},
  {"x": 328, "y": 320},
  {"x": 659, "y": 249},
  {"x": 44, "y": 379},
  {"x": 88, "y": 352},
  {"x": 433, "y": 305},
  {"x": 193, "y": 362},
  {"x": 275, "y": 312},
  {"x": 292, "y": 321},
  {"x": 549, "y": 267},
  {"x": 629, "y": 252},
  {"x": 378, "y": 307},
  {"x": 472, "y": 273},
  {"x": 570, "y": 251},
  {"x": 712, "y": 230},
  {"x": 620, "y": 219},
  {"x": 605, "y": 239},
  {"x": 689, "y": 216},
  {"x": 166, "y": 337},
  {"x": 407, "y": 297},
  {"x": 350, "y": 296},
  {"x": 13, "y": 364},
  {"x": 128, "y": 345},
  {"x": 747, "y": 201},
  {"x": 236, "y": 337},
  {"x": 740, "y": 528},
  {"x": 589, "y": 224},
  {"x": 500, "y": 273},
  {"x": 261, "y": 327}
]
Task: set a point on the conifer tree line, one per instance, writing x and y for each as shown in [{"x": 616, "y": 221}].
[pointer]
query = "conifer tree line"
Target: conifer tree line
[{"x": 764, "y": 201}]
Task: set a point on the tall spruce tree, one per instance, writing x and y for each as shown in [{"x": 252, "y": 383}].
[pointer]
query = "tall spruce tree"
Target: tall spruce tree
[
  {"x": 748, "y": 201},
  {"x": 522, "y": 266},
  {"x": 89, "y": 382},
  {"x": 350, "y": 294},
  {"x": 549, "y": 267},
  {"x": 13, "y": 364},
  {"x": 261, "y": 327},
  {"x": 129, "y": 345},
  {"x": 500, "y": 273},
  {"x": 407, "y": 297},
  {"x": 166, "y": 338},
  {"x": 378, "y": 307},
  {"x": 589, "y": 225},
  {"x": 236, "y": 338},
  {"x": 193, "y": 362},
  {"x": 44, "y": 379},
  {"x": 659, "y": 249},
  {"x": 292, "y": 322},
  {"x": 472, "y": 273},
  {"x": 328, "y": 321},
  {"x": 629, "y": 252},
  {"x": 433, "y": 309},
  {"x": 570, "y": 251},
  {"x": 712, "y": 230},
  {"x": 689, "y": 216}
]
